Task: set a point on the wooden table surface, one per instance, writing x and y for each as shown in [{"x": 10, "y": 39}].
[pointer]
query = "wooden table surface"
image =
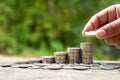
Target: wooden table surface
[{"x": 40, "y": 74}]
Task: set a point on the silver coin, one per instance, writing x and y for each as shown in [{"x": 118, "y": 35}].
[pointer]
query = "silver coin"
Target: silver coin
[
  {"x": 45, "y": 64},
  {"x": 106, "y": 67},
  {"x": 67, "y": 67},
  {"x": 90, "y": 33},
  {"x": 76, "y": 64},
  {"x": 74, "y": 50},
  {"x": 6, "y": 64},
  {"x": 115, "y": 65},
  {"x": 38, "y": 64},
  {"x": 35, "y": 67},
  {"x": 62, "y": 65},
  {"x": 95, "y": 65},
  {"x": 25, "y": 65},
  {"x": 80, "y": 67},
  {"x": 54, "y": 67},
  {"x": 15, "y": 66},
  {"x": 95, "y": 68},
  {"x": 87, "y": 65},
  {"x": 60, "y": 53},
  {"x": 44, "y": 67}
]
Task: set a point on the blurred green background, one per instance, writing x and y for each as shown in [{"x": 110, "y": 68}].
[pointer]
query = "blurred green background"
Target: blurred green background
[{"x": 41, "y": 27}]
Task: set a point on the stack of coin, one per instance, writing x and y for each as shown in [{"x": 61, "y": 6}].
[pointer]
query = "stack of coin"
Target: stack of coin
[
  {"x": 74, "y": 55},
  {"x": 60, "y": 57},
  {"x": 87, "y": 52},
  {"x": 23, "y": 61},
  {"x": 35, "y": 60},
  {"x": 48, "y": 59}
]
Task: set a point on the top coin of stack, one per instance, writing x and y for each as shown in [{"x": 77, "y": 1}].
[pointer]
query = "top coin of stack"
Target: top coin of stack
[
  {"x": 74, "y": 55},
  {"x": 60, "y": 57}
]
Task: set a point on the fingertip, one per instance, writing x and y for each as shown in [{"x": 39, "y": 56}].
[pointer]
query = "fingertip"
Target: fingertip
[{"x": 83, "y": 33}]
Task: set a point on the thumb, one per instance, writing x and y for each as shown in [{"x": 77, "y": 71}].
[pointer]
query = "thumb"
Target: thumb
[{"x": 109, "y": 30}]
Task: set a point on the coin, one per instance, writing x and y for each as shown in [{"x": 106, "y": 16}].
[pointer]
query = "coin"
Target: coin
[
  {"x": 54, "y": 67},
  {"x": 106, "y": 67},
  {"x": 82, "y": 64},
  {"x": 38, "y": 64},
  {"x": 15, "y": 66},
  {"x": 6, "y": 64},
  {"x": 74, "y": 49},
  {"x": 45, "y": 64},
  {"x": 95, "y": 68},
  {"x": 114, "y": 66},
  {"x": 80, "y": 67},
  {"x": 90, "y": 33},
  {"x": 67, "y": 67},
  {"x": 41, "y": 64},
  {"x": 25, "y": 65},
  {"x": 44, "y": 67},
  {"x": 95, "y": 65},
  {"x": 35, "y": 67}
]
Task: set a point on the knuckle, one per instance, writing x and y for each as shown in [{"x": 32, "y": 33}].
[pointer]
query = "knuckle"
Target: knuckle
[{"x": 112, "y": 29}]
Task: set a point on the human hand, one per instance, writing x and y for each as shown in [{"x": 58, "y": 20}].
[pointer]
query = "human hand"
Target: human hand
[{"x": 107, "y": 25}]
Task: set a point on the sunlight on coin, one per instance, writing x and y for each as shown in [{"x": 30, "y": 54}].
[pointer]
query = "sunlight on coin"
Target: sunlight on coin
[{"x": 90, "y": 33}]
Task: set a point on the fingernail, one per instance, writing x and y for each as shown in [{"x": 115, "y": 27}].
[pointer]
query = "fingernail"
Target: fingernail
[{"x": 101, "y": 34}]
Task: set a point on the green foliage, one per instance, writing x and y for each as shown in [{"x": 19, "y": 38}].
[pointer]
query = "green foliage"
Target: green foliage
[{"x": 40, "y": 27}]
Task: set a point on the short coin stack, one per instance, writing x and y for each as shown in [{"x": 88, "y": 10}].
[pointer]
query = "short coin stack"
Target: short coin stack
[
  {"x": 74, "y": 55},
  {"x": 60, "y": 57},
  {"x": 48, "y": 59},
  {"x": 87, "y": 52},
  {"x": 35, "y": 60}
]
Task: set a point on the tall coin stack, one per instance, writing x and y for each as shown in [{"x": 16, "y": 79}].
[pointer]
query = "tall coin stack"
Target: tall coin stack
[
  {"x": 87, "y": 52},
  {"x": 74, "y": 55},
  {"x": 60, "y": 57}
]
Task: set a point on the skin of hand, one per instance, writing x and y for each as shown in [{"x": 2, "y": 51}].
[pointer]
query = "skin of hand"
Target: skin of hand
[{"x": 107, "y": 25}]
